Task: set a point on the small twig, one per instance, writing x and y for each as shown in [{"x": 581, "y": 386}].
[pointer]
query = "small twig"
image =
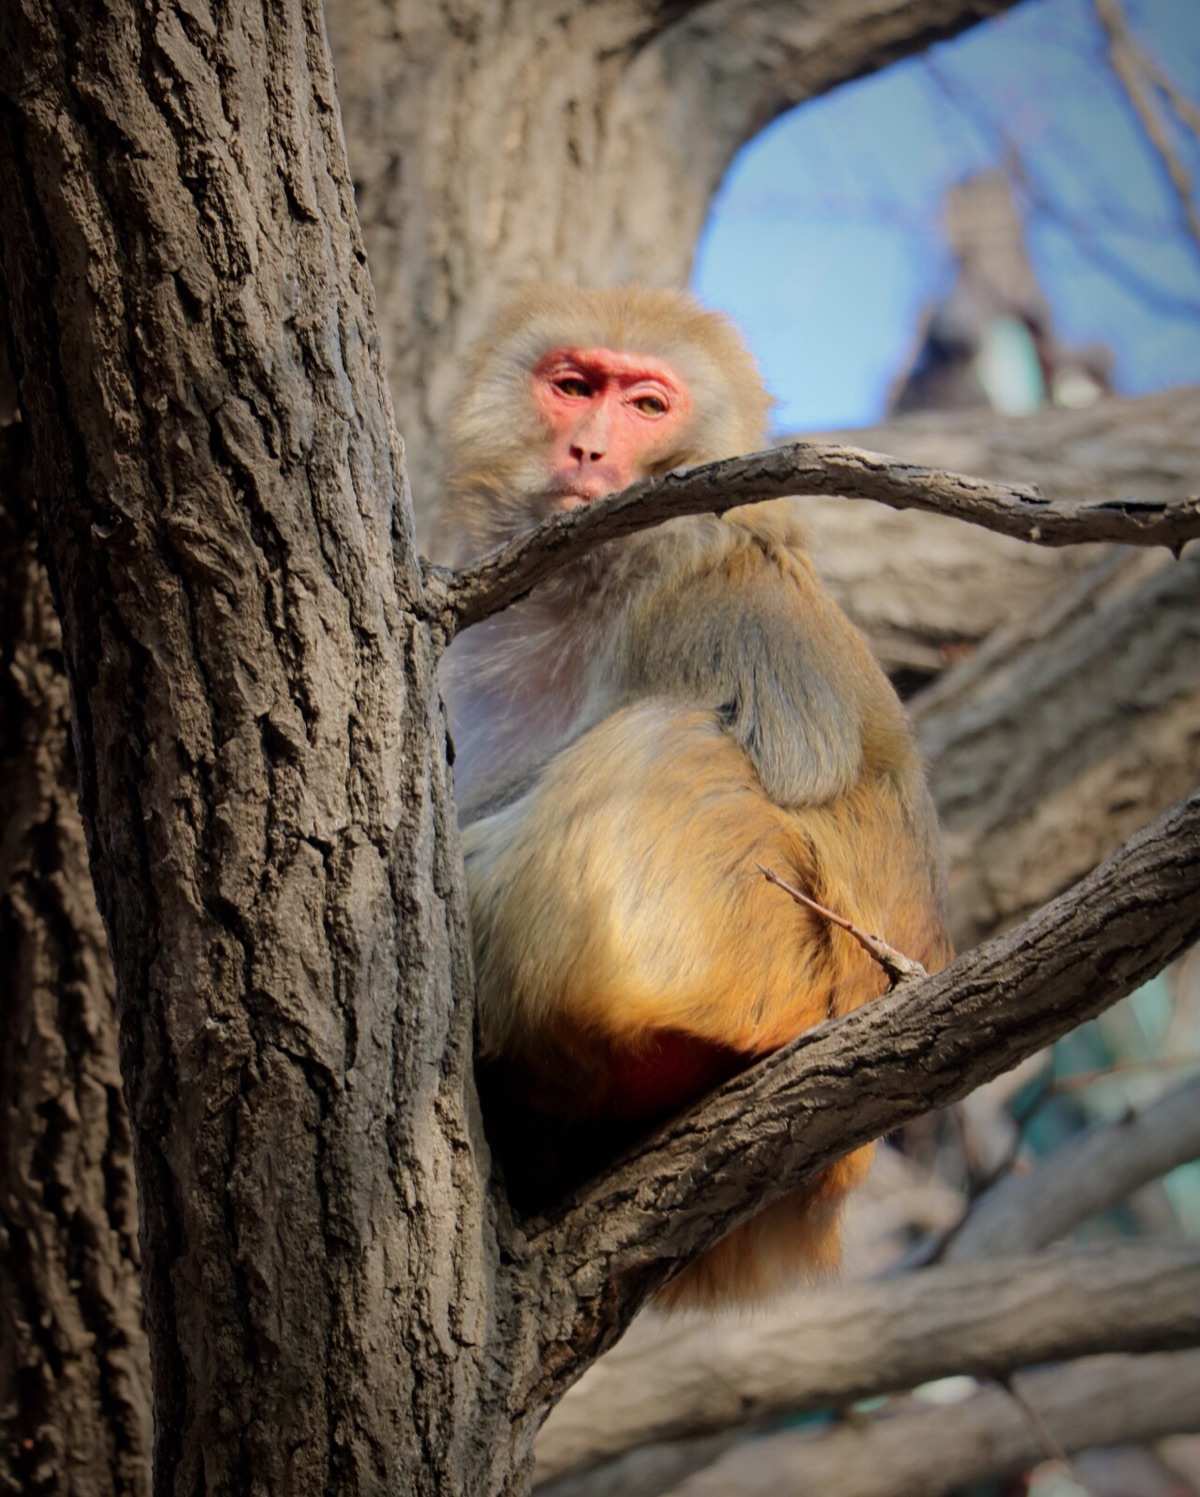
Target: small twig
[
  {"x": 1081, "y": 1079},
  {"x": 1129, "y": 67},
  {"x": 1051, "y": 1446},
  {"x": 899, "y": 968}
]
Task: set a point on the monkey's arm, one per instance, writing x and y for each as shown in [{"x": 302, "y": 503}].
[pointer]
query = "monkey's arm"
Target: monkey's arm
[{"x": 756, "y": 638}]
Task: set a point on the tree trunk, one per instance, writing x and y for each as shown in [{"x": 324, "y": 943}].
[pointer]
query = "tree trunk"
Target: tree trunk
[
  {"x": 74, "y": 1378},
  {"x": 262, "y": 760}
]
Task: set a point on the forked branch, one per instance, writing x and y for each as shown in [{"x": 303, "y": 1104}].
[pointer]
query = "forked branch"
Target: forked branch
[
  {"x": 841, "y": 1085},
  {"x": 855, "y": 1341},
  {"x": 1095, "y": 1401}
]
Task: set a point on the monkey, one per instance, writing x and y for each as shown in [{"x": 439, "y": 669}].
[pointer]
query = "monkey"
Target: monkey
[{"x": 635, "y": 740}]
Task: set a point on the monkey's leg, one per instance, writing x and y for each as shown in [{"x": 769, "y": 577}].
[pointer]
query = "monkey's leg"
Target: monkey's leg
[{"x": 796, "y": 1240}]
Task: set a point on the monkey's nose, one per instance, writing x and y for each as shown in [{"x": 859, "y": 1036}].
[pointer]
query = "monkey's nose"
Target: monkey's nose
[{"x": 584, "y": 455}]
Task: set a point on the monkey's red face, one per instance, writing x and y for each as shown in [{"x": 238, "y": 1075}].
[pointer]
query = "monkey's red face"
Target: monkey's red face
[{"x": 612, "y": 418}]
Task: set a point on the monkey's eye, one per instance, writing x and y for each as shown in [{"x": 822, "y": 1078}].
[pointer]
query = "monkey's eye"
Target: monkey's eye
[
  {"x": 571, "y": 384},
  {"x": 651, "y": 405}
]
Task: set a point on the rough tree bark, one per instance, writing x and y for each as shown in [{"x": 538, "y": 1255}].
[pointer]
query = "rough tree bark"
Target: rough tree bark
[
  {"x": 262, "y": 759},
  {"x": 421, "y": 209},
  {"x": 74, "y": 1375}
]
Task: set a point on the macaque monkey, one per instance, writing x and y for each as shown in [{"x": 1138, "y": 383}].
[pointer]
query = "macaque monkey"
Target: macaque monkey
[{"x": 636, "y": 738}]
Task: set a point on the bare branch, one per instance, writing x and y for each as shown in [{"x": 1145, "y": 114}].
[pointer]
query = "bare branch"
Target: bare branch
[
  {"x": 708, "y": 1378},
  {"x": 1042, "y": 197},
  {"x": 756, "y": 58},
  {"x": 899, "y": 968},
  {"x": 1186, "y": 109},
  {"x": 845, "y": 1083},
  {"x": 799, "y": 468},
  {"x": 924, "y": 1452},
  {"x": 646, "y": 1470},
  {"x": 922, "y": 587},
  {"x": 1046, "y": 1438},
  {"x": 1086, "y": 1175},
  {"x": 853, "y": 1341},
  {"x": 1133, "y": 75}
]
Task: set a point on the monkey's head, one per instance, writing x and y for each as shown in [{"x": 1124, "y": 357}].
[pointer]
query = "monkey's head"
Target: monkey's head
[{"x": 576, "y": 394}]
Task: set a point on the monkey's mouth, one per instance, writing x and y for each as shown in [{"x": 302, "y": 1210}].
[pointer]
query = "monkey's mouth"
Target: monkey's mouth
[{"x": 571, "y": 490}]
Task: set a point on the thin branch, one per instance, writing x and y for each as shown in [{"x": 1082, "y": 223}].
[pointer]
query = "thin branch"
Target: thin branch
[
  {"x": 1081, "y": 229},
  {"x": 899, "y": 968},
  {"x": 845, "y": 1083},
  {"x": 1051, "y": 1447},
  {"x": 919, "y": 1451},
  {"x": 855, "y": 1341},
  {"x": 1187, "y": 110},
  {"x": 800, "y": 468},
  {"x": 1086, "y": 1175},
  {"x": 1131, "y": 72}
]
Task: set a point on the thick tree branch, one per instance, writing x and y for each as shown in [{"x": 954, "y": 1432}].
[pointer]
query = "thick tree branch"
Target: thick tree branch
[
  {"x": 1059, "y": 738},
  {"x": 800, "y": 468},
  {"x": 845, "y": 1083},
  {"x": 854, "y": 1341},
  {"x": 924, "y": 1452},
  {"x": 922, "y": 587},
  {"x": 795, "y": 1349},
  {"x": 1086, "y": 1175},
  {"x": 760, "y": 57}
]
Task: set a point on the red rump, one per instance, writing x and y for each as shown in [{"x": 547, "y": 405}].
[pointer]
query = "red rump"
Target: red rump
[{"x": 667, "y": 1072}]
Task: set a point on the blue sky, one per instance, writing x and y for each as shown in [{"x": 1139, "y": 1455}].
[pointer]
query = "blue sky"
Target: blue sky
[{"x": 823, "y": 243}]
